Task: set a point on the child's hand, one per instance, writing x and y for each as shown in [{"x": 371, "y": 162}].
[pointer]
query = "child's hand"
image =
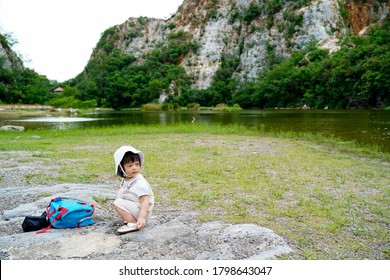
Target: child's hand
[{"x": 141, "y": 223}]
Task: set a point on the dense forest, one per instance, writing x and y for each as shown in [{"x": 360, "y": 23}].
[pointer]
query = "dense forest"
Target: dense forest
[
  {"x": 20, "y": 85},
  {"x": 356, "y": 76}
]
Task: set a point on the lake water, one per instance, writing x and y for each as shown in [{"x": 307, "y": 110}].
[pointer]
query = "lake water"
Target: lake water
[{"x": 365, "y": 126}]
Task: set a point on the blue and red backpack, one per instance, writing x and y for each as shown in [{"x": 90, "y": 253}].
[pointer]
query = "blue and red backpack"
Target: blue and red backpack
[{"x": 68, "y": 212}]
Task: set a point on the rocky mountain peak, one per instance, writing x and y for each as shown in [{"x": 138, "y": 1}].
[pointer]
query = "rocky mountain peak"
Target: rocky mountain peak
[{"x": 250, "y": 30}]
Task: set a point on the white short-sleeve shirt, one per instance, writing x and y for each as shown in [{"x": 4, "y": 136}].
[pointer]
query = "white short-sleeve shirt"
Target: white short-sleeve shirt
[{"x": 134, "y": 188}]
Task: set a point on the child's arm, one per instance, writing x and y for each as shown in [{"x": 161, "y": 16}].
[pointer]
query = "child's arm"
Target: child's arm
[{"x": 141, "y": 222}]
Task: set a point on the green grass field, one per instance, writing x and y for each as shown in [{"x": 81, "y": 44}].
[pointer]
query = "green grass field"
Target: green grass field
[{"x": 329, "y": 198}]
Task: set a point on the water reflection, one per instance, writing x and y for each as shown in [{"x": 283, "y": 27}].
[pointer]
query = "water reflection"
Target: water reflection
[
  {"x": 57, "y": 119},
  {"x": 59, "y": 123},
  {"x": 362, "y": 125}
]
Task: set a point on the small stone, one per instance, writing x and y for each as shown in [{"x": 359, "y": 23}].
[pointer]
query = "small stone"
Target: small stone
[{"x": 12, "y": 128}]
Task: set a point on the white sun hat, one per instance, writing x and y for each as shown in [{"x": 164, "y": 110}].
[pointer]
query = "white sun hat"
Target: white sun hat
[{"x": 119, "y": 154}]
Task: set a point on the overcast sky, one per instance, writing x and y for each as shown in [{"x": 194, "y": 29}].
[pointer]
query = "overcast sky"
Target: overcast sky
[{"x": 56, "y": 37}]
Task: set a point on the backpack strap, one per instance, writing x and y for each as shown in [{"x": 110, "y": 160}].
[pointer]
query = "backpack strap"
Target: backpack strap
[
  {"x": 44, "y": 230},
  {"x": 56, "y": 218}
]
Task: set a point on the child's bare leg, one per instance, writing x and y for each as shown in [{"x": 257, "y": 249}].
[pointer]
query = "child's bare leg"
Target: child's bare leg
[{"x": 125, "y": 215}]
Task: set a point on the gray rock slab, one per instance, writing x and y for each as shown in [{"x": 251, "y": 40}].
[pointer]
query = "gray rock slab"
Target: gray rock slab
[{"x": 170, "y": 234}]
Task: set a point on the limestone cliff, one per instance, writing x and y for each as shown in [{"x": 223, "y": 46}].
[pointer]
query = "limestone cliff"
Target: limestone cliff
[
  {"x": 363, "y": 13},
  {"x": 8, "y": 58},
  {"x": 248, "y": 29}
]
